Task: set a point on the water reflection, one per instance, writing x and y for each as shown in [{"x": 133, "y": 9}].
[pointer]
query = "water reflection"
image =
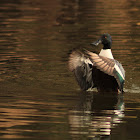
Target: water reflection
[
  {"x": 11, "y": 58},
  {"x": 96, "y": 115},
  {"x": 24, "y": 117},
  {"x": 16, "y": 113}
]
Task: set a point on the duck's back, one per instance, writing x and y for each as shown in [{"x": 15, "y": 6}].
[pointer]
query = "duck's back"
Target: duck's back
[{"x": 103, "y": 81}]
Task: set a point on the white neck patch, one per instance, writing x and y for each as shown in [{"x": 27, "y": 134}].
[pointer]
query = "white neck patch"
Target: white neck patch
[{"x": 106, "y": 53}]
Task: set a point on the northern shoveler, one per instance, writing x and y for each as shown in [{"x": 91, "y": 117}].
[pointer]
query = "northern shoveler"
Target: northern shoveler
[{"x": 101, "y": 70}]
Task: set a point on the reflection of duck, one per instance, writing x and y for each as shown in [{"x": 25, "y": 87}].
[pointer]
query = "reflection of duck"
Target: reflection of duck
[
  {"x": 101, "y": 71},
  {"x": 96, "y": 115}
]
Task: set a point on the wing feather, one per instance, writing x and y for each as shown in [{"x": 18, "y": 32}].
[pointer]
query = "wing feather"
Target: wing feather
[
  {"x": 102, "y": 63},
  {"x": 82, "y": 68}
]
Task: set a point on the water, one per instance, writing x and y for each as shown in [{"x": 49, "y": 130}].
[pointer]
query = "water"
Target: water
[{"x": 39, "y": 97}]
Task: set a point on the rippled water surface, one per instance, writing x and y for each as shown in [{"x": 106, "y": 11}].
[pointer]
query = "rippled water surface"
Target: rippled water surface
[{"x": 39, "y": 97}]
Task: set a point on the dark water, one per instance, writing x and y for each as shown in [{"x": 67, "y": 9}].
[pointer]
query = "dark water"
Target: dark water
[{"x": 39, "y": 97}]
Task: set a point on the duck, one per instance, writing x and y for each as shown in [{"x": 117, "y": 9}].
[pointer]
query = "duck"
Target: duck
[{"x": 100, "y": 71}]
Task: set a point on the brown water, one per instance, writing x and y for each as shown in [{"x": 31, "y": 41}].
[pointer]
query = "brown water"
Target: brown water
[{"x": 39, "y": 97}]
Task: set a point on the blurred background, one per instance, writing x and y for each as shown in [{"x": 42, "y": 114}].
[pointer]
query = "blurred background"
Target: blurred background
[{"x": 39, "y": 97}]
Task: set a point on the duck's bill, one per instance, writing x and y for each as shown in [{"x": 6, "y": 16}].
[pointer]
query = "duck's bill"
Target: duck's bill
[{"x": 96, "y": 43}]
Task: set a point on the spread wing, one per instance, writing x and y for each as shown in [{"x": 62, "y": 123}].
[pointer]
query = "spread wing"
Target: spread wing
[
  {"x": 109, "y": 66},
  {"x": 102, "y": 63},
  {"x": 82, "y": 68}
]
